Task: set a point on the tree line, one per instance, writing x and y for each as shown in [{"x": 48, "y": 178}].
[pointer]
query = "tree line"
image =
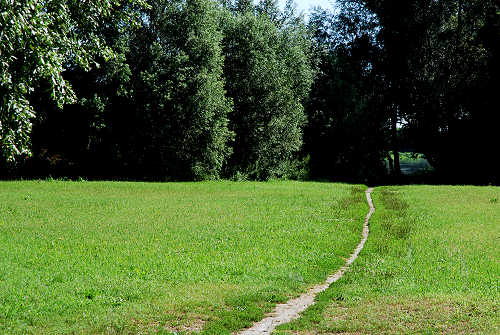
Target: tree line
[{"x": 205, "y": 89}]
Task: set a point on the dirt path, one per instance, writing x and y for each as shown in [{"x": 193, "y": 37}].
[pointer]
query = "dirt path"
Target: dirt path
[{"x": 290, "y": 310}]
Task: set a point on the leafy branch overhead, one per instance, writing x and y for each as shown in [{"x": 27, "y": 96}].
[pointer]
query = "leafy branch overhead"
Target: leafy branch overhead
[{"x": 39, "y": 41}]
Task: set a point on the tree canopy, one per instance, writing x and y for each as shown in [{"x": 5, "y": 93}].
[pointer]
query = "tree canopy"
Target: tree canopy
[
  {"x": 39, "y": 39},
  {"x": 206, "y": 89}
]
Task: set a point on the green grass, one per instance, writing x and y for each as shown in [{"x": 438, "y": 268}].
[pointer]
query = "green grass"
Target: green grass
[
  {"x": 127, "y": 258},
  {"x": 431, "y": 266}
]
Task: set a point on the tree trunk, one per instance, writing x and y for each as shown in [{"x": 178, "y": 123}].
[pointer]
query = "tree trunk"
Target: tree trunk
[
  {"x": 395, "y": 144},
  {"x": 391, "y": 164}
]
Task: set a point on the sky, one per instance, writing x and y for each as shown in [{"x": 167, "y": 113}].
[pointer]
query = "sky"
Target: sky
[{"x": 306, "y": 5}]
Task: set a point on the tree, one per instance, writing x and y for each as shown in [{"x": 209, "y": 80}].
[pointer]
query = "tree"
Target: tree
[
  {"x": 38, "y": 38},
  {"x": 346, "y": 131},
  {"x": 269, "y": 8},
  {"x": 171, "y": 119},
  {"x": 243, "y": 6},
  {"x": 434, "y": 70},
  {"x": 268, "y": 76},
  {"x": 454, "y": 119}
]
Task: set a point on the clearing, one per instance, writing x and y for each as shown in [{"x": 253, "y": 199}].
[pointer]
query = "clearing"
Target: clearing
[
  {"x": 430, "y": 266},
  {"x": 127, "y": 258}
]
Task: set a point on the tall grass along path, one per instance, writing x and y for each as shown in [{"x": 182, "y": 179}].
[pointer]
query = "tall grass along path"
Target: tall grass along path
[{"x": 290, "y": 310}]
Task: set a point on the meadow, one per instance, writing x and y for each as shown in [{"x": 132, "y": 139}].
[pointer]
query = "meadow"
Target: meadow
[
  {"x": 165, "y": 258},
  {"x": 431, "y": 266}
]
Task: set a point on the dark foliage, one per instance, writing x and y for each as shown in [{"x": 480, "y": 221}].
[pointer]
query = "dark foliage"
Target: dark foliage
[{"x": 204, "y": 89}]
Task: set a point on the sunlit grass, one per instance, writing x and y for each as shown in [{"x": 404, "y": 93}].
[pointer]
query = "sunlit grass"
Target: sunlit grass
[
  {"x": 109, "y": 257},
  {"x": 430, "y": 266}
]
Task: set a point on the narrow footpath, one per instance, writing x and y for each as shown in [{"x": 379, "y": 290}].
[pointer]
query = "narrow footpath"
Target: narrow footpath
[{"x": 284, "y": 313}]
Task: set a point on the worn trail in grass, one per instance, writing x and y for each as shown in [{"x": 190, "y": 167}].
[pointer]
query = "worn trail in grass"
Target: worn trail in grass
[
  {"x": 157, "y": 258},
  {"x": 430, "y": 266},
  {"x": 291, "y": 310}
]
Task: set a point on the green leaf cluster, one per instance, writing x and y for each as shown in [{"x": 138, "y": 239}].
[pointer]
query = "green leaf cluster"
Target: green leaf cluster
[
  {"x": 184, "y": 90},
  {"x": 37, "y": 41},
  {"x": 268, "y": 77}
]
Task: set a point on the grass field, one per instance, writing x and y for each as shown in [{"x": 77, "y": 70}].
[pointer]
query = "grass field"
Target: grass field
[
  {"x": 109, "y": 257},
  {"x": 431, "y": 266}
]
